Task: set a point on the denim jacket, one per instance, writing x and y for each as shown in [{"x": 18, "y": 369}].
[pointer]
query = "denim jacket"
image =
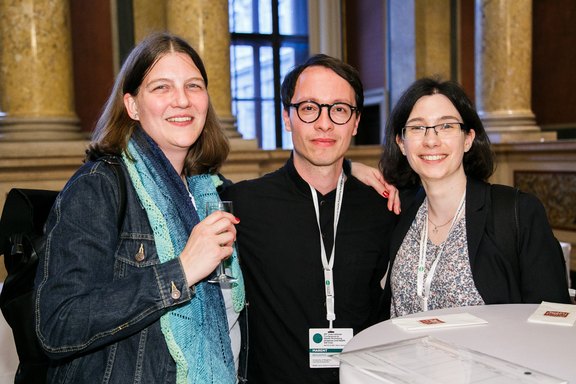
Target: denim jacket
[{"x": 101, "y": 291}]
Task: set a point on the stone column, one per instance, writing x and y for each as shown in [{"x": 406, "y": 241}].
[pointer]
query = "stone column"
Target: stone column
[
  {"x": 149, "y": 16},
  {"x": 433, "y": 56},
  {"x": 36, "y": 84},
  {"x": 504, "y": 70},
  {"x": 419, "y": 42},
  {"x": 204, "y": 23},
  {"x": 325, "y": 27}
]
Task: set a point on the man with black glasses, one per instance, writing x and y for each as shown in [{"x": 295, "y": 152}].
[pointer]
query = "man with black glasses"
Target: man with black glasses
[{"x": 313, "y": 240}]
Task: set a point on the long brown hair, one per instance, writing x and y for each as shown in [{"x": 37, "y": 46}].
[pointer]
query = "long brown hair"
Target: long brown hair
[{"x": 115, "y": 127}]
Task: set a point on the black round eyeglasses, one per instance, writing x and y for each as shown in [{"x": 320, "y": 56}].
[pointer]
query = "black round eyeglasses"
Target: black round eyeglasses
[{"x": 309, "y": 111}]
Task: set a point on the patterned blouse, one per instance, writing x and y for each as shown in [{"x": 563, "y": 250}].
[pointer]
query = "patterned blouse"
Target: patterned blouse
[{"x": 452, "y": 285}]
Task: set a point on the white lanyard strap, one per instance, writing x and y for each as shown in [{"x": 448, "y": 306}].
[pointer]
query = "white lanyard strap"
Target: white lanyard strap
[
  {"x": 328, "y": 264},
  {"x": 420, "y": 284}
]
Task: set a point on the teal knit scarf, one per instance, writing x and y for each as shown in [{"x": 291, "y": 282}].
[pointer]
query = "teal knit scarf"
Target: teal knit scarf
[{"x": 196, "y": 332}]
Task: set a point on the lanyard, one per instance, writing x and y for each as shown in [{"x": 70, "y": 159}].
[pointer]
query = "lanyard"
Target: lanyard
[
  {"x": 328, "y": 264},
  {"x": 420, "y": 284}
]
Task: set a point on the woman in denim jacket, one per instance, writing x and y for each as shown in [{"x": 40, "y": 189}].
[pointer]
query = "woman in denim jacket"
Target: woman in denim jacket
[{"x": 123, "y": 297}]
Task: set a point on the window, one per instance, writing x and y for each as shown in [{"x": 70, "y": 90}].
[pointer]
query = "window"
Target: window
[{"x": 268, "y": 38}]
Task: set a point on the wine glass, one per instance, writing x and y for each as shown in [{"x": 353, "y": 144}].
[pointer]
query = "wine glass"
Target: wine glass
[{"x": 220, "y": 275}]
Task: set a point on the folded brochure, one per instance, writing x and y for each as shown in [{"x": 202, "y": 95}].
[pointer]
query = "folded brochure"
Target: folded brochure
[
  {"x": 554, "y": 313},
  {"x": 438, "y": 321}
]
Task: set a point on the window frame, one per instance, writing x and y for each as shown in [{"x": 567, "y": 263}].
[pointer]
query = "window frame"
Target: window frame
[{"x": 275, "y": 41}]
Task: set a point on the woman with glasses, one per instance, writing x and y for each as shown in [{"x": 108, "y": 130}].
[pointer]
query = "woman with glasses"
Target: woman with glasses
[{"x": 460, "y": 241}]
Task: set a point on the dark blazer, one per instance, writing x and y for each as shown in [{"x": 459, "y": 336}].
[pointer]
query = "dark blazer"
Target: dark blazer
[{"x": 536, "y": 274}]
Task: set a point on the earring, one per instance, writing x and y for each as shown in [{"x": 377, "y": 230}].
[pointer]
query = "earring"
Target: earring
[{"x": 136, "y": 116}]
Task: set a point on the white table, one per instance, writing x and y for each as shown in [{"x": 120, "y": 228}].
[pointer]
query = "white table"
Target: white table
[
  {"x": 550, "y": 349},
  {"x": 8, "y": 356}
]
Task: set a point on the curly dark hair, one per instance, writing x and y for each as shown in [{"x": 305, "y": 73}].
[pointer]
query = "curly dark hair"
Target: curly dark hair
[{"x": 478, "y": 161}]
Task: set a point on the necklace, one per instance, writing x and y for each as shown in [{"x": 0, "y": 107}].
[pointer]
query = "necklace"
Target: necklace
[{"x": 435, "y": 229}]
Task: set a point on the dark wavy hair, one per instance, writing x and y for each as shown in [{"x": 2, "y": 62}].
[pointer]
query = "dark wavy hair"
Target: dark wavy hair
[
  {"x": 115, "y": 127},
  {"x": 342, "y": 69},
  {"x": 478, "y": 161}
]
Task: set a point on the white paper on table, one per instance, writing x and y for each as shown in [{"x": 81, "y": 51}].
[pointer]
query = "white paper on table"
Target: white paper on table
[
  {"x": 427, "y": 360},
  {"x": 438, "y": 321},
  {"x": 554, "y": 313}
]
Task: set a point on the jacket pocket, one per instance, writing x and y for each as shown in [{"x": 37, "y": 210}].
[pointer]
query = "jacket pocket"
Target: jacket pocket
[{"x": 138, "y": 251}]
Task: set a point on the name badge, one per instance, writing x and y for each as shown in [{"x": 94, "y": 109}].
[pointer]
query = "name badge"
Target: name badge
[{"x": 324, "y": 343}]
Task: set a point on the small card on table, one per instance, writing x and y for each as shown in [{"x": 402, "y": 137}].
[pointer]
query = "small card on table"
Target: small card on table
[
  {"x": 554, "y": 313},
  {"x": 438, "y": 321}
]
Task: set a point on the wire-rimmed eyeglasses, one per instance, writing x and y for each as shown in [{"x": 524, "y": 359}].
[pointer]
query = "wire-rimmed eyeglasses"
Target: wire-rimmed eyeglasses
[
  {"x": 309, "y": 111},
  {"x": 443, "y": 130}
]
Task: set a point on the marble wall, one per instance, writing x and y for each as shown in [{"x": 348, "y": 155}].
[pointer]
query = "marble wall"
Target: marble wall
[{"x": 556, "y": 190}]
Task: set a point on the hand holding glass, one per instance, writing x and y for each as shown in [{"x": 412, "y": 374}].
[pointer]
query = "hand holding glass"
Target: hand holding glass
[{"x": 226, "y": 206}]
